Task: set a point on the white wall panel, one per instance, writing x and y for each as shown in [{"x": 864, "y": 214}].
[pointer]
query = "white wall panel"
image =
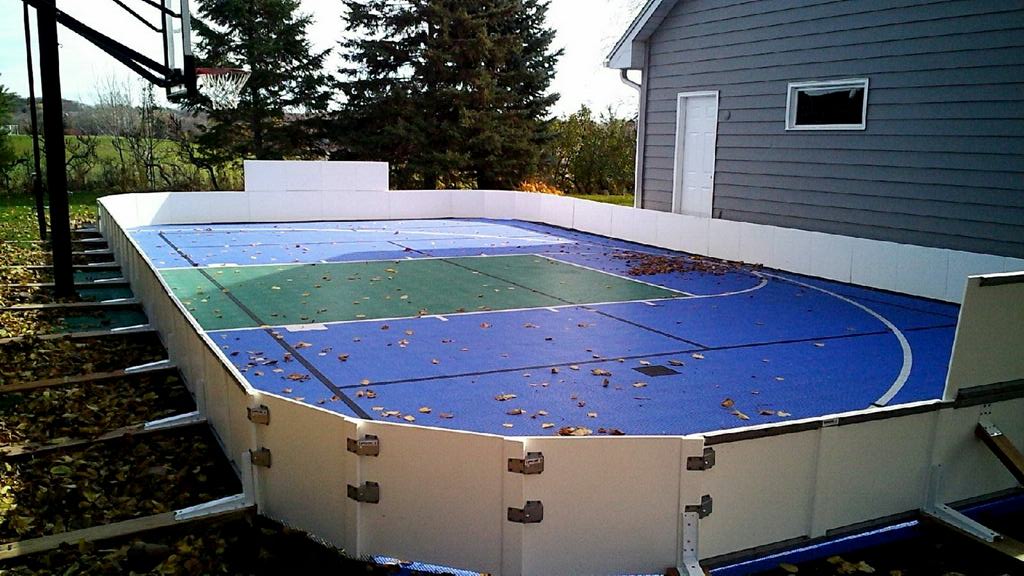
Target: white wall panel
[
  {"x": 529, "y": 206},
  {"x": 303, "y": 175},
  {"x": 724, "y": 239},
  {"x": 831, "y": 256},
  {"x": 592, "y": 217},
  {"x": 964, "y": 264},
  {"x": 922, "y": 271},
  {"x": 557, "y": 210},
  {"x": 264, "y": 176},
  {"x": 791, "y": 250},
  {"x": 468, "y": 204},
  {"x": 420, "y": 204},
  {"x": 499, "y": 205},
  {"x": 875, "y": 263},
  {"x": 624, "y": 223},
  {"x": 756, "y": 243},
  {"x": 356, "y": 205},
  {"x": 286, "y": 206}
]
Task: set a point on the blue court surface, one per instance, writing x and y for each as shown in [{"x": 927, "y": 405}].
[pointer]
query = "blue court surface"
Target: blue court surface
[{"x": 525, "y": 329}]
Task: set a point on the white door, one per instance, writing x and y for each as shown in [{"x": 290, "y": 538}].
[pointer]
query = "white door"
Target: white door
[{"x": 696, "y": 132}]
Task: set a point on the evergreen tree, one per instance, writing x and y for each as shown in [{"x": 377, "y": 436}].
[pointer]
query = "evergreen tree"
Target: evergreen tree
[
  {"x": 453, "y": 93},
  {"x": 269, "y": 38}
]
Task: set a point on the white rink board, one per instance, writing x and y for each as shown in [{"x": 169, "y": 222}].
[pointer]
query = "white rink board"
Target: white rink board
[
  {"x": 616, "y": 502},
  {"x": 611, "y": 504}
]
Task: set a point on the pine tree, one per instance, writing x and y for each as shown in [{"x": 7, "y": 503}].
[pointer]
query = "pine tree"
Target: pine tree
[
  {"x": 453, "y": 93},
  {"x": 269, "y": 38}
]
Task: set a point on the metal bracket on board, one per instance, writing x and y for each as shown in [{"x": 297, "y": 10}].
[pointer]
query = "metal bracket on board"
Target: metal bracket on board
[
  {"x": 532, "y": 464},
  {"x": 258, "y": 414},
  {"x": 260, "y": 457},
  {"x": 368, "y": 493},
  {"x": 705, "y": 462},
  {"x": 531, "y": 513},
  {"x": 368, "y": 445},
  {"x": 703, "y": 509}
]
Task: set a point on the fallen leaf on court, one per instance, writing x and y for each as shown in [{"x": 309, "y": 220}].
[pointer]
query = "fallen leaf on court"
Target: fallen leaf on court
[
  {"x": 425, "y": 410},
  {"x": 766, "y": 412},
  {"x": 728, "y": 403},
  {"x": 506, "y": 425},
  {"x": 286, "y": 391},
  {"x": 675, "y": 362},
  {"x": 542, "y": 412},
  {"x": 504, "y": 397},
  {"x": 343, "y": 357},
  {"x": 819, "y": 344},
  {"x": 574, "y": 367},
  {"x": 485, "y": 325},
  {"x": 547, "y": 425},
  {"x": 697, "y": 356},
  {"x": 639, "y": 384},
  {"x": 740, "y": 415},
  {"x": 303, "y": 345},
  {"x": 371, "y": 394},
  {"x": 782, "y": 414},
  {"x": 384, "y": 327},
  {"x": 409, "y": 418},
  {"x": 574, "y": 431},
  {"x": 297, "y": 377},
  {"x": 364, "y": 382},
  {"x": 600, "y": 372},
  {"x": 530, "y": 325},
  {"x": 516, "y": 412},
  {"x": 408, "y": 332},
  {"x": 554, "y": 370},
  {"x": 275, "y": 287},
  {"x": 377, "y": 408},
  {"x": 645, "y": 363},
  {"x": 435, "y": 361},
  {"x": 789, "y": 568},
  {"x": 779, "y": 378},
  {"x": 446, "y": 415},
  {"x": 591, "y": 414}
]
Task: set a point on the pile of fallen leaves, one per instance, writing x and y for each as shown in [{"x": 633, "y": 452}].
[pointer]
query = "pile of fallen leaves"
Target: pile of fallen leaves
[
  {"x": 87, "y": 410},
  {"x": 111, "y": 481},
  {"x": 32, "y": 358},
  {"x": 642, "y": 264}
]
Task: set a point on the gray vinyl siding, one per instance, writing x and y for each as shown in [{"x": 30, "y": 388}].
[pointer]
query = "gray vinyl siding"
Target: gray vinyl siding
[{"x": 941, "y": 162}]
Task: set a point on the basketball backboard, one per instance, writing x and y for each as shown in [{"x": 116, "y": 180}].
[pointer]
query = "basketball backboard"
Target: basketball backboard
[{"x": 177, "y": 33}]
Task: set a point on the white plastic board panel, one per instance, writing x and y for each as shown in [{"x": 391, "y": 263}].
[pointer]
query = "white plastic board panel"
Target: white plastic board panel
[
  {"x": 557, "y": 210},
  {"x": 968, "y": 467},
  {"x": 592, "y": 217},
  {"x": 420, "y": 204},
  {"x": 831, "y": 256},
  {"x": 624, "y": 222},
  {"x": 922, "y": 270},
  {"x": 724, "y": 239},
  {"x": 763, "y": 492},
  {"x": 353, "y": 176},
  {"x": 529, "y": 206},
  {"x": 791, "y": 250},
  {"x": 872, "y": 469},
  {"x": 989, "y": 334},
  {"x": 264, "y": 176},
  {"x": 468, "y": 204},
  {"x": 356, "y": 205},
  {"x": 964, "y": 264},
  {"x": 499, "y": 205},
  {"x": 1013, "y": 265},
  {"x": 286, "y": 206},
  {"x": 680, "y": 232},
  {"x": 310, "y": 466},
  {"x": 203, "y": 208},
  {"x": 756, "y": 243},
  {"x": 614, "y": 502},
  {"x": 302, "y": 175},
  {"x": 148, "y": 206},
  {"x": 875, "y": 263},
  {"x": 646, "y": 223},
  {"x": 441, "y": 496}
]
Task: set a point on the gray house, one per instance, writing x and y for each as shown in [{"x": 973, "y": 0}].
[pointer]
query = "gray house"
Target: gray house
[{"x": 899, "y": 120}]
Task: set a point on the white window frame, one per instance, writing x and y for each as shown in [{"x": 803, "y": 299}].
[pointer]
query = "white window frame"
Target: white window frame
[{"x": 791, "y": 102}]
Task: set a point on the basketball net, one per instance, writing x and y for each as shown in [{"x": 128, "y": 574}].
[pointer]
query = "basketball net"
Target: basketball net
[{"x": 223, "y": 86}]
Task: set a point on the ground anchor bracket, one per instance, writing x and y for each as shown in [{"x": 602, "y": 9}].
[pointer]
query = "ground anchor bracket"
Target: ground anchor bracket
[
  {"x": 260, "y": 457},
  {"x": 531, "y": 513},
  {"x": 258, "y": 414},
  {"x": 368, "y": 493},
  {"x": 532, "y": 464},
  {"x": 704, "y": 462},
  {"x": 368, "y": 445},
  {"x": 703, "y": 509}
]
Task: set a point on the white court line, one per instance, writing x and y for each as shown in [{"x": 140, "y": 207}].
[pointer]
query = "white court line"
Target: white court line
[
  {"x": 631, "y": 279},
  {"x": 535, "y": 237},
  {"x": 908, "y": 355},
  {"x": 321, "y": 262}
]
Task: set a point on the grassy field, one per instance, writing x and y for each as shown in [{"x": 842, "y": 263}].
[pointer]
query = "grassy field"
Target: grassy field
[
  {"x": 617, "y": 199},
  {"x": 18, "y": 220},
  {"x": 22, "y": 144}
]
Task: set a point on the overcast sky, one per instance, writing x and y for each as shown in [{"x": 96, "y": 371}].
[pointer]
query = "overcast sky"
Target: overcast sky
[{"x": 586, "y": 29}]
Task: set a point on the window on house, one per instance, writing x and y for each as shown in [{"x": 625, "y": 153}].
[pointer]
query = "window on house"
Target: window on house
[{"x": 829, "y": 105}]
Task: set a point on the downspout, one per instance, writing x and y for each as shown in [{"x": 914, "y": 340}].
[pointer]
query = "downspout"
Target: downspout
[{"x": 640, "y": 124}]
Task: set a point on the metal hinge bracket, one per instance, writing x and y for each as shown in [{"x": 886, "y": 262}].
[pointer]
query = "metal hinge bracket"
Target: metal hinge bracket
[
  {"x": 532, "y": 464},
  {"x": 703, "y": 509},
  {"x": 260, "y": 457},
  {"x": 531, "y": 513},
  {"x": 705, "y": 462},
  {"x": 258, "y": 414},
  {"x": 368, "y": 445},
  {"x": 368, "y": 493}
]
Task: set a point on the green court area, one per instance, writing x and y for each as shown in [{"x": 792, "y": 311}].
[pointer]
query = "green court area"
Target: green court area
[{"x": 248, "y": 296}]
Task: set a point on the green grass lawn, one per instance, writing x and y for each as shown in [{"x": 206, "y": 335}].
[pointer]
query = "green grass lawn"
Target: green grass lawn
[
  {"x": 22, "y": 144},
  {"x": 617, "y": 199},
  {"x": 18, "y": 214}
]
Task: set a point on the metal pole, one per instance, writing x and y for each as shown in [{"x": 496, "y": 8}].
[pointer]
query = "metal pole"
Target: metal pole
[
  {"x": 53, "y": 129},
  {"x": 37, "y": 176}
]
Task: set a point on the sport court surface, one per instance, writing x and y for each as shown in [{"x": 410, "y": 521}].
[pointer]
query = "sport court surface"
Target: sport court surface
[{"x": 524, "y": 329}]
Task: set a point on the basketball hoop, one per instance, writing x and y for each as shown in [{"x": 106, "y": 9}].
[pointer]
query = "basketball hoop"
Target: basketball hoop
[{"x": 223, "y": 86}]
